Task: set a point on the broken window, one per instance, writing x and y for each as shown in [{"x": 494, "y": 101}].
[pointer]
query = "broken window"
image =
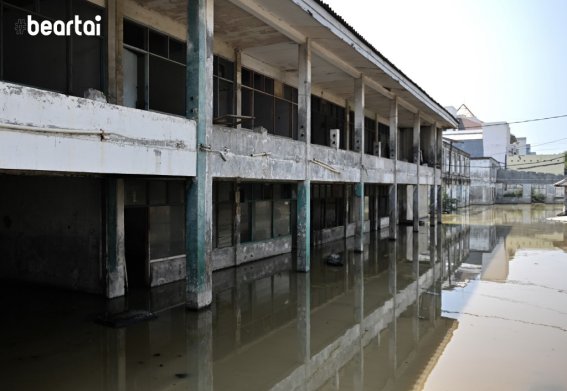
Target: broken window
[
  {"x": 66, "y": 64},
  {"x": 384, "y": 139},
  {"x": 272, "y": 103},
  {"x": 154, "y": 70}
]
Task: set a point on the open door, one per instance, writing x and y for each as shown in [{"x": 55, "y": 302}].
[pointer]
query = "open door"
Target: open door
[{"x": 136, "y": 246}]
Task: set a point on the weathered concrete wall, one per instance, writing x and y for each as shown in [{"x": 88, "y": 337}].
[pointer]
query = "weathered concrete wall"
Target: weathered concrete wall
[
  {"x": 535, "y": 185},
  {"x": 249, "y": 252},
  {"x": 47, "y": 131},
  {"x": 254, "y": 155},
  {"x": 51, "y": 231},
  {"x": 166, "y": 271}
]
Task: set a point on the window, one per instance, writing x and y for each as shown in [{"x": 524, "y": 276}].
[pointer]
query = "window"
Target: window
[
  {"x": 69, "y": 65},
  {"x": 165, "y": 203},
  {"x": 154, "y": 70},
  {"x": 327, "y": 206},
  {"x": 324, "y": 117},
  {"x": 272, "y": 104},
  {"x": 265, "y": 211},
  {"x": 369, "y": 135},
  {"x": 223, "y": 87},
  {"x": 384, "y": 139},
  {"x": 223, "y": 214}
]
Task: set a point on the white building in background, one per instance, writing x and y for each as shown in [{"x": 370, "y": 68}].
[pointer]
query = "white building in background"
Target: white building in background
[{"x": 478, "y": 138}]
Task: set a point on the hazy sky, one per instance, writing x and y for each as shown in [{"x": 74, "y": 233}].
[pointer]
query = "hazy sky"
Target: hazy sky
[{"x": 505, "y": 59}]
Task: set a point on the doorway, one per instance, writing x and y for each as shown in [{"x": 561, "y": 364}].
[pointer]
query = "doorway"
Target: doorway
[{"x": 136, "y": 246}]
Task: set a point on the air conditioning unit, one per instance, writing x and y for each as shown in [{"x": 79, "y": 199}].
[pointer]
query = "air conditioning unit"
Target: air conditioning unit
[{"x": 335, "y": 138}]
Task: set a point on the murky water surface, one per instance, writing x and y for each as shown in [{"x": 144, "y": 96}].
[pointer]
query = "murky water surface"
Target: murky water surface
[{"x": 477, "y": 304}]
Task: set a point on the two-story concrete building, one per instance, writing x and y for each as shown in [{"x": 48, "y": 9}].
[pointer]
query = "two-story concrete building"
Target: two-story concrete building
[{"x": 226, "y": 131}]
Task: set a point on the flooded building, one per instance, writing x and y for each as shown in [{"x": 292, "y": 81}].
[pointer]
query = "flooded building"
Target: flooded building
[
  {"x": 456, "y": 175},
  {"x": 193, "y": 136}
]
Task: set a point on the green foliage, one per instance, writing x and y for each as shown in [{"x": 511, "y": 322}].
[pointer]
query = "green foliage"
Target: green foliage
[
  {"x": 449, "y": 204},
  {"x": 538, "y": 197}
]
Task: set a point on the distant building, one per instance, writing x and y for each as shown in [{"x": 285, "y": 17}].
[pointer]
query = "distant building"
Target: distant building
[
  {"x": 456, "y": 174},
  {"x": 480, "y": 139},
  {"x": 483, "y": 180},
  {"x": 547, "y": 164}
]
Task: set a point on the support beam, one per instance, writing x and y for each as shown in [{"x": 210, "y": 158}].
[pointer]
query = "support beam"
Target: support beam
[
  {"x": 115, "y": 47},
  {"x": 303, "y": 239},
  {"x": 417, "y": 161},
  {"x": 433, "y": 188},
  {"x": 359, "y": 147},
  {"x": 238, "y": 83},
  {"x": 439, "y": 150},
  {"x": 115, "y": 254},
  {"x": 199, "y": 89},
  {"x": 347, "y": 126},
  {"x": 304, "y": 226},
  {"x": 393, "y": 199}
]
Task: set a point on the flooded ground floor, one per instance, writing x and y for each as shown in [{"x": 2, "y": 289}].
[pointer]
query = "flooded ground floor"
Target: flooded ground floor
[{"x": 478, "y": 303}]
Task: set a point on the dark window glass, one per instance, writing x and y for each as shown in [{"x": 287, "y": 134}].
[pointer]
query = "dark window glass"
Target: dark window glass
[
  {"x": 177, "y": 51},
  {"x": 27, "y": 4},
  {"x": 56, "y": 9},
  {"x": 87, "y": 54},
  {"x": 224, "y": 224},
  {"x": 134, "y": 35},
  {"x": 135, "y": 192},
  {"x": 158, "y": 44},
  {"x": 264, "y": 111},
  {"x": 158, "y": 192},
  {"x": 247, "y": 77},
  {"x": 176, "y": 192},
  {"x": 167, "y": 231},
  {"x": 42, "y": 64},
  {"x": 166, "y": 86},
  {"x": 283, "y": 118}
]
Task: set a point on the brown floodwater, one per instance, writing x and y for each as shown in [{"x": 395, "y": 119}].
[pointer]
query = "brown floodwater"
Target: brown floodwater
[{"x": 479, "y": 303}]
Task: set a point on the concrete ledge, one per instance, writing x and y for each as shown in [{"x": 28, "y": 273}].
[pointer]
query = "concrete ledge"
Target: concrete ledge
[
  {"x": 166, "y": 271},
  {"x": 248, "y": 252}
]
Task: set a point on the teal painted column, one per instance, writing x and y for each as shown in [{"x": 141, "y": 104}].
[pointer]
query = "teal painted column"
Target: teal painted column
[
  {"x": 304, "y": 226},
  {"x": 199, "y": 92},
  {"x": 303, "y": 238},
  {"x": 115, "y": 253}
]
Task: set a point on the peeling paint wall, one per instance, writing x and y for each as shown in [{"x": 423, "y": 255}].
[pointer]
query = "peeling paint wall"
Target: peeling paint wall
[{"x": 47, "y": 131}]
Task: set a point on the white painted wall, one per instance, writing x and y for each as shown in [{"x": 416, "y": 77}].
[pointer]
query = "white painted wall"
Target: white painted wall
[
  {"x": 496, "y": 139},
  {"x": 62, "y": 133}
]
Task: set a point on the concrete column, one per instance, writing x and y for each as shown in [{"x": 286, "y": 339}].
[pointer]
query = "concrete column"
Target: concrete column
[
  {"x": 237, "y": 221},
  {"x": 347, "y": 126},
  {"x": 416, "y": 160},
  {"x": 393, "y": 197},
  {"x": 439, "y": 153},
  {"x": 115, "y": 255},
  {"x": 433, "y": 188},
  {"x": 359, "y": 147},
  {"x": 376, "y": 214},
  {"x": 358, "y": 359},
  {"x": 114, "y": 351},
  {"x": 304, "y": 188},
  {"x": 114, "y": 33},
  {"x": 199, "y": 90},
  {"x": 199, "y": 353},
  {"x": 238, "y": 83},
  {"x": 415, "y": 260},
  {"x": 304, "y": 226},
  {"x": 304, "y": 322},
  {"x": 346, "y": 213}
]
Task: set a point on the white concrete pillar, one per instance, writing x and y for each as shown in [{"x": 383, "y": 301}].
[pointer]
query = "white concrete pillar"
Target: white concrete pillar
[
  {"x": 359, "y": 147},
  {"x": 393, "y": 198},
  {"x": 416, "y": 160},
  {"x": 303, "y": 239}
]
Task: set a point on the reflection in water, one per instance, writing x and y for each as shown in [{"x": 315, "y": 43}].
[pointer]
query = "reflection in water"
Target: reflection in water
[{"x": 374, "y": 323}]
